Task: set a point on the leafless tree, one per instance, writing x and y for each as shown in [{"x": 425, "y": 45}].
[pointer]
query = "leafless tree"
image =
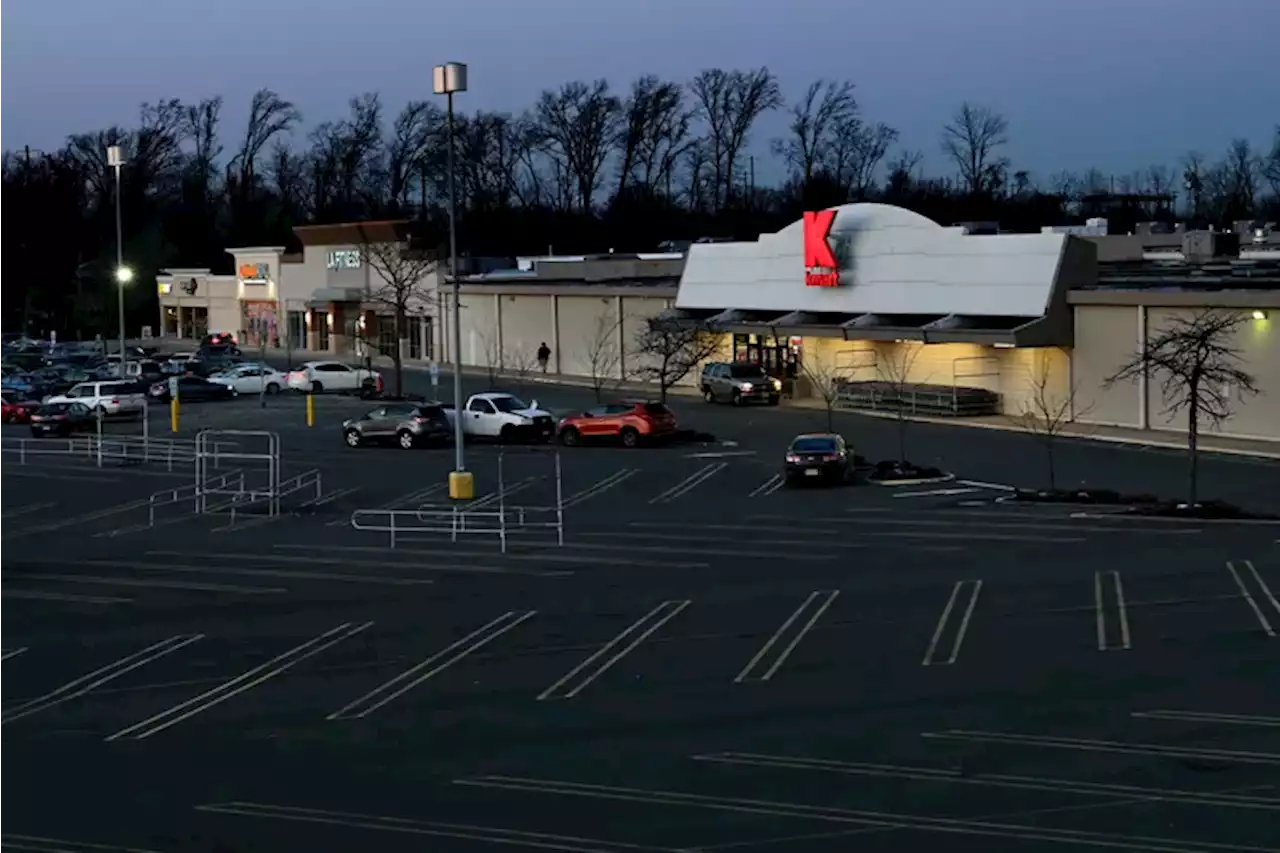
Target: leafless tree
[
  {"x": 670, "y": 350},
  {"x": 895, "y": 372},
  {"x": 653, "y": 134},
  {"x": 602, "y": 355},
  {"x": 402, "y": 274},
  {"x": 825, "y": 375},
  {"x": 579, "y": 124},
  {"x": 729, "y": 103},
  {"x": 270, "y": 117},
  {"x": 1047, "y": 411},
  {"x": 200, "y": 129},
  {"x": 1271, "y": 166},
  {"x": 816, "y": 118},
  {"x": 1197, "y": 363},
  {"x": 416, "y": 144},
  {"x": 972, "y": 141},
  {"x": 491, "y": 352},
  {"x": 520, "y": 363}
]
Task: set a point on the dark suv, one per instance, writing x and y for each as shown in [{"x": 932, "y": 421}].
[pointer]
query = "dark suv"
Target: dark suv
[
  {"x": 738, "y": 383},
  {"x": 406, "y": 424}
]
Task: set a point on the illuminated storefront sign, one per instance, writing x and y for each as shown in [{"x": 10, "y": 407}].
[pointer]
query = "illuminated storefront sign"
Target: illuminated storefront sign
[
  {"x": 347, "y": 259},
  {"x": 254, "y": 273},
  {"x": 821, "y": 268}
]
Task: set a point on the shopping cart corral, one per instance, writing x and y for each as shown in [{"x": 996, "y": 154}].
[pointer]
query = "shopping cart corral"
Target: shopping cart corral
[{"x": 111, "y": 450}]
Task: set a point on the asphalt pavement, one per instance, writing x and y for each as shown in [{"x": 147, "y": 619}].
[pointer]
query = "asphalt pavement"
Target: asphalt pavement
[{"x": 669, "y": 651}]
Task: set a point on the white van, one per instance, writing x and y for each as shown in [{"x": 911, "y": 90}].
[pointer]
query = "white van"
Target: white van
[{"x": 111, "y": 398}]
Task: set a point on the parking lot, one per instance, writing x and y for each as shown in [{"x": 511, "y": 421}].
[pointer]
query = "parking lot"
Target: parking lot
[{"x": 709, "y": 661}]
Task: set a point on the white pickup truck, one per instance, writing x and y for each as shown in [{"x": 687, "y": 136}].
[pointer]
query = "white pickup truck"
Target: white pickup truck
[{"x": 505, "y": 417}]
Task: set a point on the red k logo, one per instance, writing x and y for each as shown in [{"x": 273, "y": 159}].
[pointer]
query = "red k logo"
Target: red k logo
[{"x": 820, "y": 264}]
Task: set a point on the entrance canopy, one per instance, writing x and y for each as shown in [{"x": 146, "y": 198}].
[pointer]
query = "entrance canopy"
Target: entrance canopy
[{"x": 889, "y": 274}]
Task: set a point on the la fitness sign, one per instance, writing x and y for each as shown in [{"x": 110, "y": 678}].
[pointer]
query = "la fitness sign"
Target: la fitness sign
[
  {"x": 347, "y": 259},
  {"x": 821, "y": 267}
]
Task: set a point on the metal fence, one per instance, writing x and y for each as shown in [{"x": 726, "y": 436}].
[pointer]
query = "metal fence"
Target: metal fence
[{"x": 117, "y": 450}]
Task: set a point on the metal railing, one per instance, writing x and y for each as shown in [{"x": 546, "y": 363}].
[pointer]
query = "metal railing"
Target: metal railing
[
  {"x": 123, "y": 449},
  {"x": 459, "y": 521},
  {"x": 231, "y": 483}
]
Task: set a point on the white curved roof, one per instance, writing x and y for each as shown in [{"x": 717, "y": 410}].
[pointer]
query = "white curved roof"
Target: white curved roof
[{"x": 894, "y": 261}]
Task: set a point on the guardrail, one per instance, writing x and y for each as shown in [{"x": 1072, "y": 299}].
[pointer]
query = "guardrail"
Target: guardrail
[
  {"x": 459, "y": 521},
  {"x": 116, "y": 448},
  {"x": 223, "y": 484}
]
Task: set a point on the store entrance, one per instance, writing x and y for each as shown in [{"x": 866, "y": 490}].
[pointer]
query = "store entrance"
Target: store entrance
[{"x": 779, "y": 357}]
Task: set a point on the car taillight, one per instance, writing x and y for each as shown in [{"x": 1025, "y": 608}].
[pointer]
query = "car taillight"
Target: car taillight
[
  {"x": 831, "y": 457},
  {"x": 114, "y": 401},
  {"x": 793, "y": 457}
]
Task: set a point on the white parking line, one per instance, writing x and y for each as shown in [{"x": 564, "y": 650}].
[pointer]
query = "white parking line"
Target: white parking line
[
  {"x": 250, "y": 573},
  {"x": 929, "y": 659},
  {"x": 44, "y": 844},
  {"x": 12, "y": 653},
  {"x": 38, "y": 595},
  {"x": 429, "y": 668},
  {"x": 689, "y": 483},
  {"x": 1248, "y": 596},
  {"x": 85, "y": 683},
  {"x": 932, "y": 493},
  {"x": 826, "y": 597},
  {"x": 1118, "y": 747},
  {"x": 1209, "y": 717},
  {"x": 111, "y": 581},
  {"x": 745, "y": 553},
  {"x": 408, "y": 501},
  {"x": 75, "y": 520},
  {"x": 978, "y": 484},
  {"x": 600, "y": 487},
  {"x": 490, "y": 501},
  {"x": 329, "y": 498},
  {"x": 26, "y": 510},
  {"x": 1101, "y": 609},
  {"x": 604, "y": 659},
  {"x": 768, "y": 487},
  {"x": 426, "y": 566},
  {"x": 245, "y": 681}
]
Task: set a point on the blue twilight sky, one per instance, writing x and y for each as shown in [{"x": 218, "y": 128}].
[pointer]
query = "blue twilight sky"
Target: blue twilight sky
[{"x": 1116, "y": 84}]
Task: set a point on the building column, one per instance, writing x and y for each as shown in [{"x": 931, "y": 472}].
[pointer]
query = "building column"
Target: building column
[
  {"x": 314, "y": 319},
  {"x": 622, "y": 338},
  {"x": 497, "y": 315},
  {"x": 555, "y": 333}
]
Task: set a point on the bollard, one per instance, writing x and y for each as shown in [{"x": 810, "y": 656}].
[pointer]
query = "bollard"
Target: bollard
[
  {"x": 173, "y": 414},
  {"x": 311, "y": 409}
]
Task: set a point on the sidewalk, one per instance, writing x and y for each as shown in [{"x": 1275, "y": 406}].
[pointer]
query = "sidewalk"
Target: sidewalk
[{"x": 1090, "y": 432}]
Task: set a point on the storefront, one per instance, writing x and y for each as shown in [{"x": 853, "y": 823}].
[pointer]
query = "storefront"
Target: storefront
[{"x": 778, "y": 356}]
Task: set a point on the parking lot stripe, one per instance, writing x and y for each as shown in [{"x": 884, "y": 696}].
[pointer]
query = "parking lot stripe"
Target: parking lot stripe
[
  {"x": 710, "y": 552},
  {"x": 823, "y": 599},
  {"x": 10, "y": 471},
  {"x": 453, "y": 568},
  {"x": 600, "y": 487},
  {"x": 245, "y": 681},
  {"x": 1102, "y": 608},
  {"x": 109, "y": 581},
  {"x": 970, "y": 523},
  {"x": 945, "y": 618},
  {"x": 432, "y": 666},
  {"x": 1209, "y": 717},
  {"x": 551, "y": 554},
  {"x": 435, "y": 829},
  {"x": 979, "y": 484},
  {"x": 689, "y": 483},
  {"x": 250, "y": 573},
  {"x": 935, "y": 493},
  {"x": 1248, "y": 597},
  {"x": 27, "y": 510},
  {"x": 43, "y": 844},
  {"x": 80, "y": 686},
  {"x": 696, "y": 535},
  {"x": 490, "y": 501},
  {"x": 329, "y": 498},
  {"x": 1118, "y": 747},
  {"x": 11, "y": 653},
  {"x": 768, "y": 487},
  {"x": 40, "y": 595},
  {"x": 74, "y": 520},
  {"x": 606, "y": 657}
]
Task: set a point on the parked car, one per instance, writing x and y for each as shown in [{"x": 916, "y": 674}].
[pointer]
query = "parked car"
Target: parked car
[
  {"x": 317, "y": 377},
  {"x": 113, "y": 398},
  {"x": 17, "y": 409},
  {"x": 251, "y": 378},
  {"x": 738, "y": 383},
  {"x": 505, "y": 417},
  {"x": 629, "y": 423},
  {"x": 61, "y": 419},
  {"x": 192, "y": 389},
  {"x": 218, "y": 339},
  {"x": 407, "y": 424},
  {"x": 821, "y": 457}
]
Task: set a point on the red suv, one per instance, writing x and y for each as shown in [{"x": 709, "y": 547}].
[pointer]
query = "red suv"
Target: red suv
[{"x": 629, "y": 423}]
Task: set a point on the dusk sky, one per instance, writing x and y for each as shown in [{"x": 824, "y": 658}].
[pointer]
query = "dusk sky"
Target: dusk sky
[{"x": 1117, "y": 84}]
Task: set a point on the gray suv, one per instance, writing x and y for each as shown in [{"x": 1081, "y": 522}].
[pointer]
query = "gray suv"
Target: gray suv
[
  {"x": 738, "y": 383},
  {"x": 406, "y": 424}
]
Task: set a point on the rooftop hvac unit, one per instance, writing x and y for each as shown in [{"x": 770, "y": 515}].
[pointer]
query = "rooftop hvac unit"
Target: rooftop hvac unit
[{"x": 1200, "y": 246}]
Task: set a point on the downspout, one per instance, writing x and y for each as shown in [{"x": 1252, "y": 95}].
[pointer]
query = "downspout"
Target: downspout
[{"x": 1144, "y": 399}]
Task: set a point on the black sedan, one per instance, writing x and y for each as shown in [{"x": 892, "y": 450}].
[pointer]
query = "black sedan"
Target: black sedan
[
  {"x": 818, "y": 458},
  {"x": 61, "y": 419},
  {"x": 192, "y": 389}
]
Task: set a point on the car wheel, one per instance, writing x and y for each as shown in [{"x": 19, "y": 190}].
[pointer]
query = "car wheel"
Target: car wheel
[
  {"x": 316, "y": 387},
  {"x": 273, "y": 388},
  {"x": 630, "y": 438},
  {"x": 353, "y": 438},
  {"x": 406, "y": 439},
  {"x": 507, "y": 434},
  {"x": 708, "y": 396},
  {"x": 570, "y": 437},
  {"x": 737, "y": 398}
]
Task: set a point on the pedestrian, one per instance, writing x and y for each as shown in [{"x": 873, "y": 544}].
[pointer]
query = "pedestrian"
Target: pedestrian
[{"x": 544, "y": 356}]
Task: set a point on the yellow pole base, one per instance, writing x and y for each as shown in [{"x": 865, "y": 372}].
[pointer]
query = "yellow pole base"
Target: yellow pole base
[
  {"x": 173, "y": 415},
  {"x": 311, "y": 409},
  {"x": 462, "y": 485}
]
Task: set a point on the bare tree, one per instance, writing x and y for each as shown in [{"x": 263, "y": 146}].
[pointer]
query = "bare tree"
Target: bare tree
[
  {"x": 270, "y": 117},
  {"x": 602, "y": 355},
  {"x": 895, "y": 373},
  {"x": 824, "y": 375},
  {"x": 653, "y": 134},
  {"x": 972, "y": 141},
  {"x": 403, "y": 281},
  {"x": 520, "y": 362},
  {"x": 491, "y": 352},
  {"x": 579, "y": 124},
  {"x": 816, "y": 118},
  {"x": 671, "y": 350},
  {"x": 1197, "y": 363},
  {"x": 1046, "y": 412},
  {"x": 729, "y": 102}
]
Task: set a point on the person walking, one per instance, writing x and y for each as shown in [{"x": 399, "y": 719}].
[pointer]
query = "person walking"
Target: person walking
[{"x": 544, "y": 356}]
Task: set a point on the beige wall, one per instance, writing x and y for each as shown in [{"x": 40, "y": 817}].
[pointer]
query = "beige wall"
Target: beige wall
[
  {"x": 526, "y": 324},
  {"x": 589, "y": 333}
]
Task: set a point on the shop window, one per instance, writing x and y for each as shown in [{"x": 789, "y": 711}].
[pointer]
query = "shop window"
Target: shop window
[
  {"x": 296, "y": 330},
  {"x": 776, "y": 356}
]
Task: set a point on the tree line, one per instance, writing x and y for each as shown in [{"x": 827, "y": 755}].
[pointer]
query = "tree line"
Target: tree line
[{"x": 585, "y": 168}]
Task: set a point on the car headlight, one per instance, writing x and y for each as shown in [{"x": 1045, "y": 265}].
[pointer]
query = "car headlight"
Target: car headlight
[
  {"x": 777, "y": 385},
  {"x": 746, "y": 386}
]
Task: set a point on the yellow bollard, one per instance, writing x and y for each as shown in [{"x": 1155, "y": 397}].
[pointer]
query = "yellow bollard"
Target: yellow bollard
[
  {"x": 311, "y": 410},
  {"x": 173, "y": 414},
  {"x": 462, "y": 485}
]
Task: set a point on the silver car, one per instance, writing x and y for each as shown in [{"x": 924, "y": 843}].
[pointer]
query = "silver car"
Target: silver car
[{"x": 405, "y": 424}]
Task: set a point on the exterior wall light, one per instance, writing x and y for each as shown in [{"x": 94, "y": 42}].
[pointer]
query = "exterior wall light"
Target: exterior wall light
[{"x": 1259, "y": 314}]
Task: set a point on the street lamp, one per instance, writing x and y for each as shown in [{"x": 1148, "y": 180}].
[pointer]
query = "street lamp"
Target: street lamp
[
  {"x": 446, "y": 80},
  {"x": 115, "y": 159}
]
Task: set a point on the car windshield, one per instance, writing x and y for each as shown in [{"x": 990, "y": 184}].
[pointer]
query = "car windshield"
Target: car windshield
[
  {"x": 746, "y": 371},
  {"x": 814, "y": 445},
  {"x": 508, "y": 404},
  {"x": 54, "y": 409}
]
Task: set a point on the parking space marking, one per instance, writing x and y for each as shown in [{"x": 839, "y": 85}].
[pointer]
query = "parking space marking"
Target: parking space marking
[
  {"x": 458, "y": 568},
  {"x": 1209, "y": 717},
  {"x": 44, "y": 844},
  {"x": 817, "y": 601},
  {"x": 401, "y": 502},
  {"x": 329, "y": 498},
  {"x": 39, "y": 595},
  {"x": 490, "y": 501},
  {"x": 27, "y": 510},
  {"x": 245, "y": 681},
  {"x": 10, "y": 471},
  {"x": 689, "y": 483},
  {"x": 707, "y": 552},
  {"x": 1103, "y": 581},
  {"x": 599, "y": 487},
  {"x": 11, "y": 653},
  {"x": 432, "y": 666},
  {"x": 149, "y": 584},
  {"x": 768, "y": 487},
  {"x": 552, "y": 554},
  {"x": 935, "y": 493},
  {"x": 1248, "y": 596},
  {"x": 249, "y": 573},
  {"x": 84, "y": 684},
  {"x": 929, "y": 656},
  {"x": 1118, "y": 747},
  {"x": 979, "y": 484},
  {"x": 434, "y": 829},
  {"x": 972, "y": 522},
  {"x": 75, "y": 520},
  {"x": 602, "y": 660}
]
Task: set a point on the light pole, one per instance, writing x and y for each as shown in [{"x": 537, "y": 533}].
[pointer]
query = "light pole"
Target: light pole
[
  {"x": 115, "y": 159},
  {"x": 446, "y": 80}
]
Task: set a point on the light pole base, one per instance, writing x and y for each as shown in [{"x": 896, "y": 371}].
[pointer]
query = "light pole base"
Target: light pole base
[{"x": 462, "y": 485}]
